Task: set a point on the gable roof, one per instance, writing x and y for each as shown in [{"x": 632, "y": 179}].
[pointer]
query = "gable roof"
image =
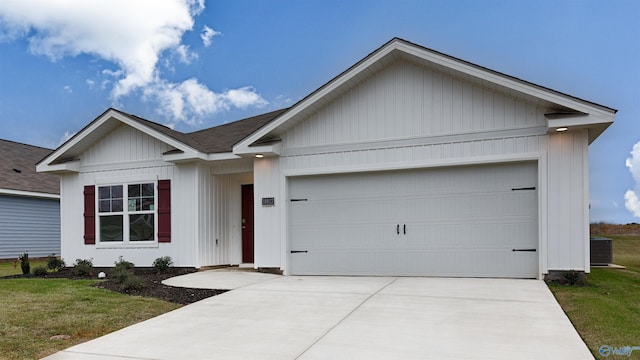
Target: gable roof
[
  {"x": 203, "y": 144},
  {"x": 568, "y": 110},
  {"x": 18, "y": 170},
  {"x": 221, "y": 138},
  {"x": 260, "y": 134}
]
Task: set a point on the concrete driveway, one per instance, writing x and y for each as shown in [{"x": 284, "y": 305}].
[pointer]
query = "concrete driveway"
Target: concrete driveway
[{"x": 276, "y": 317}]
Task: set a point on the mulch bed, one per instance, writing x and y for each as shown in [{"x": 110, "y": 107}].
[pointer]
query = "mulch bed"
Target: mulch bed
[{"x": 151, "y": 284}]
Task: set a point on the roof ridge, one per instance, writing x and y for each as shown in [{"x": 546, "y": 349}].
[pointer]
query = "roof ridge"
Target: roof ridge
[{"x": 25, "y": 144}]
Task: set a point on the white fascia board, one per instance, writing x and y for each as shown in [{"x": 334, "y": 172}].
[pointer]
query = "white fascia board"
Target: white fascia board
[
  {"x": 266, "y": 150},
  {"x": 32, "y": 194},
  {"x": 66, "y": 167},
  {"x": 506, "y": 81},
  {"x": 577, "y": 121},
  {"x": 243, "y": 147},
  {"x": 45, "y": 165},
  {"x": 439, "y": 59},
  {"x": 223, "y": 156},
  {"x": 160, "y": 136},
  {"x": 185, "y": 157}
]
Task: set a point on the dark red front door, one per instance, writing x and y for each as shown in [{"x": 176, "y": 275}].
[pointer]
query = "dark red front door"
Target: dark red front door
[{"x": 247, "y": 223}]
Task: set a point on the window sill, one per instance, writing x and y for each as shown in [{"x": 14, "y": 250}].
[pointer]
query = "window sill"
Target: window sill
[{"x": 127, "y": 245}]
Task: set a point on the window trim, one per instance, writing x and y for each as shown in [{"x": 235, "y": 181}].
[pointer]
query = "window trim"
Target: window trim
[{"x": 126, "y": 241}]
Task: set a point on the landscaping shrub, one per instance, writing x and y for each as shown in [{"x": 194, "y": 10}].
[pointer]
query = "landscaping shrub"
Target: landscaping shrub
[
  {"x": 54, "y": 263},
  {"x": 132, "y": 282},
  {"x": 40, "y": 271},
  {"x": 124, "y": 264},
  {"x": 162, "y": 264},
  {"x": 83, "y": 267},
  {"x": 122, "y": 271},
  {"x": 24, "y": 263}
]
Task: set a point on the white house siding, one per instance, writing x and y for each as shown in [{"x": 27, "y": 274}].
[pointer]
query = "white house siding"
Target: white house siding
[
  {"x": 29, "y": 224},
  {"x": 123, "y": 155},
  {"x": 568, "y": 201},
  {"x": 407, "y": 101},
  {"x": 226, "y": 215},
  {"x": 269, "y": 220},
  {"x": 408, "y": 116}
]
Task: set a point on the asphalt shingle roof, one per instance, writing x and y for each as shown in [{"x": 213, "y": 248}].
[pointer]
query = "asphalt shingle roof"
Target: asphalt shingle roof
[
  {"x": 18, "y": 169},
  {"x": 217, "y": 139}
]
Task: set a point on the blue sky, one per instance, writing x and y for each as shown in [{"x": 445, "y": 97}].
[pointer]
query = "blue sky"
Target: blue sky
[{"x": 193, "y": 64}]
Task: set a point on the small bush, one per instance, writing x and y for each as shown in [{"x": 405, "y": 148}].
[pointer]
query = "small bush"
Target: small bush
[
  {"x": 124, "y": 264},
  {"x": 122, "y": 271},
  {"x": 83, "y": 267},
  {"x": 162, "y": 264},
  {"x": 24, "y": 263},
  {"x": 54, "y": 263},
  {"x": 132, "y": 282},
  {"x": 573, "y": 277},
  {"x": 40, "y": 271}
]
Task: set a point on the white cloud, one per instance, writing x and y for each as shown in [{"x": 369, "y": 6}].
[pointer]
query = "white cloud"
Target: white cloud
[
  {"x": 244, "y": 97},
  {"x": 207, "y": 34},
  {"x": 67, "y": 135},
  {"x": 90, "y": 83},
  {"x": 185, "y": 55},
  {"x": 131, "y": 34},
  {"x": 134, "y": 36},
  {"x": 190, "y": 100},
  {"x": 631, "y": 199},
  {"x": 68, "y": 89}
]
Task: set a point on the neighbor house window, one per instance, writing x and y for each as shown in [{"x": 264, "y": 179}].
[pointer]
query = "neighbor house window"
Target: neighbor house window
[{"x": 127, "y": 213}]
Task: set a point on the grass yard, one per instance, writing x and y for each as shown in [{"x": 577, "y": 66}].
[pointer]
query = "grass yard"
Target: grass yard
[
  {"x": 607, "y": 311},
  {"x": 35, "y": 309},
  {"x": 6, "y": 266}
]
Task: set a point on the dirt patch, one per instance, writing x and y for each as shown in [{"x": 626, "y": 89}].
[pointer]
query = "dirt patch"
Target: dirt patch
[{"x": 151, "y": 284}]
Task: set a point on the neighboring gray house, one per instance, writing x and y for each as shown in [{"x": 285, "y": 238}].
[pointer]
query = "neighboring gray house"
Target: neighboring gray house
[{"x": 29, "y": 203}]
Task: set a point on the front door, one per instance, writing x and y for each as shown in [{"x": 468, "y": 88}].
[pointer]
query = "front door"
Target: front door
[{"x": 247, "y": 224}]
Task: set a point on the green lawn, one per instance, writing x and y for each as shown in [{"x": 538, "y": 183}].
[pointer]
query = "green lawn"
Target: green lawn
[
  {"x": 33, "y": 310},
  {"x": 607, "y": 311},
  {"x": 7, "y": 268}
]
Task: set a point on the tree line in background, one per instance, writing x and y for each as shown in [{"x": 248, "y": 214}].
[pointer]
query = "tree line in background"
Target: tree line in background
[{"x": 605, "y": 228}]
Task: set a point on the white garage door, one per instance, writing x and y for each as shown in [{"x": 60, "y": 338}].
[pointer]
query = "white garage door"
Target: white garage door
[{"x": 472, "y": 221}]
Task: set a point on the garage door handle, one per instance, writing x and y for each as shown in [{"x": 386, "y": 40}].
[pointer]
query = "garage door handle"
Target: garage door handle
[
  {"x": 298, "y": 251},
  {"x": 404, "y": 229},
  {"x": 398, "y": 229},
  {"x": 523, "y": 250}
]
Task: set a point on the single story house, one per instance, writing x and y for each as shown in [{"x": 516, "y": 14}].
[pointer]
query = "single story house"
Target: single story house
[
  {"x": 410, "y": 162},
  {"x": 29, "y": 203}
]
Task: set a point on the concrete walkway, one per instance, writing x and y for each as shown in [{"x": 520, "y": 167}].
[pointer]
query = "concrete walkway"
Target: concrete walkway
[{"x": 290, "y": 317}]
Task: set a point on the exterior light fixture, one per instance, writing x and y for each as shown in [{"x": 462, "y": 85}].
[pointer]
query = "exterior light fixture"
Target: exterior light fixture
[
  {"x": 259, "y": 156},
  {"x": 562, "y": 129}
]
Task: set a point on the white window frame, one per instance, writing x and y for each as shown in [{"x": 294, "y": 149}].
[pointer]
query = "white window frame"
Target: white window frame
[{"x": 126, "y": 242}]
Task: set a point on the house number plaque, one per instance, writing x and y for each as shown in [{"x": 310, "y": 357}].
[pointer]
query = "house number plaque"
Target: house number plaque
[{"x": 268, "y": 201}]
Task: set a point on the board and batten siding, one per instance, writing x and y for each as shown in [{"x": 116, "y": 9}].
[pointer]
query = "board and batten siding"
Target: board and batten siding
[
  {"x": 407, "y": 101},
  {"x": 408, "y": 116},
  {"x": 126, "y": 155},
  {"x": 29, "y": 224},
  {"x": 568, "y": 201}
]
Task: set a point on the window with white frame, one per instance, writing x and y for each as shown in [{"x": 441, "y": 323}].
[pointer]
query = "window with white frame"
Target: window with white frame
[{"x": 127, "y": 213}]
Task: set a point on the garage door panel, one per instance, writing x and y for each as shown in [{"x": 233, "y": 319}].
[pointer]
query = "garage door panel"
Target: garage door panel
[
  {"x": 350, "y": 237},
  {"x": 349, "y": 262},
  {"x": 461, "y": 221}
]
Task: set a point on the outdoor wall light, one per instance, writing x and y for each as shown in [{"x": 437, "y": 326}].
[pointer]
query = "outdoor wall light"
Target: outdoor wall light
[
  {"x": 562, "y": 129},
  {"x": 259, "y": 156}
]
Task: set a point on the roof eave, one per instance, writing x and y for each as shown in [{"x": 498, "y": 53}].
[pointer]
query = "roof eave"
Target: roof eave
[
  {"x": 102, "y": 125},
  {"x": 601, "y": 115}
]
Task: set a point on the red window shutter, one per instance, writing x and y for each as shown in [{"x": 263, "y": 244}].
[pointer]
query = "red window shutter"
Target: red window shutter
[
  {"x": 164, "y": 211},
  {"x": 89, "y": 215}
]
